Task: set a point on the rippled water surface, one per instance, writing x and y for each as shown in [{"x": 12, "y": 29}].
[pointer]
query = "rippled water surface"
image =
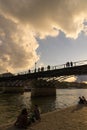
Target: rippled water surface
[{"x": 11, "y": 104}]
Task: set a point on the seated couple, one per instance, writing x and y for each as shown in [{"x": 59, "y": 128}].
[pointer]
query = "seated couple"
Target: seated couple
[
  {"x": 23, "y": 120},
  {"x": 82, "y": 100}
]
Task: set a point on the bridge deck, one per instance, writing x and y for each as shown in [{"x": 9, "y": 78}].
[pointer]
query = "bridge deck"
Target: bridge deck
[{"x": 74, "y": 70}]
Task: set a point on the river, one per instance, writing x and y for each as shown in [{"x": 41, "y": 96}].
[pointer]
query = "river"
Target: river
[{"x": 11, "y": 104}]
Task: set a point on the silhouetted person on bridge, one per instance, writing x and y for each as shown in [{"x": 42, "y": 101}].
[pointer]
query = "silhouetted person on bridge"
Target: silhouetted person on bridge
[
  {"x": 67, "y": 64},
  {"x": 48, "y": 67},
  {"x": 38, "y": 69},
  {"x": 71, "y": 64},
  {"x": 29, "y": 71},
  {"x": 42, "y": 68}
]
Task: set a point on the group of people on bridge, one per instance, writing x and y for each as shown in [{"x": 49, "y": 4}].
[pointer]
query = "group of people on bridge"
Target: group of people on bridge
[{"x": 69, "y": 64}]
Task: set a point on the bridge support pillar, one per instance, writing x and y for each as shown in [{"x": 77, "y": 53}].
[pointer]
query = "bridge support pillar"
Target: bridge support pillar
[{"x": 40, "y": 91}]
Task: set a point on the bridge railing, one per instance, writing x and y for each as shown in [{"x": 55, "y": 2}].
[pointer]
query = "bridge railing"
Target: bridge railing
[{"x": 77, "y": 63}]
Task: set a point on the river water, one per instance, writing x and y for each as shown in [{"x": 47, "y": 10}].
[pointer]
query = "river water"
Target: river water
[{"x": 11, "y": 104}]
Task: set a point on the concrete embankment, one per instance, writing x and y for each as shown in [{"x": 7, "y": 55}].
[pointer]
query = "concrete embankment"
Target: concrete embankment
[{"x": 72, "y": 118}]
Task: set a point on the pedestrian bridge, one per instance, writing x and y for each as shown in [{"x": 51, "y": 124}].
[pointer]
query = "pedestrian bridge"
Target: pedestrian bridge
[{"x": 76, "y": 68}]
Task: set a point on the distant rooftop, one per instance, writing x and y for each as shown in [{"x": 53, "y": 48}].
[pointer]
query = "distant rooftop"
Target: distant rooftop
[{"x": 6, "y": 74}]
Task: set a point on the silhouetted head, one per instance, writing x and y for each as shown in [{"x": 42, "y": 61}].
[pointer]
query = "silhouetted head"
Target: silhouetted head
[
  {"x": 36, "y": 106},
  {"x": 24, "y": 111},
  {"x": 83, "y": 97},
  {"x": 80, "y": 98}
]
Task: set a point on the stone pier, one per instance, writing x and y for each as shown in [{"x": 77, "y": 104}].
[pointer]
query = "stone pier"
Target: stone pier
[{"x": 38, "y": 92}]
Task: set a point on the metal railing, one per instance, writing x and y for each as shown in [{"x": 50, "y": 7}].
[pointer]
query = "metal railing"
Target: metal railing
[{"x": 77, "y": 63}]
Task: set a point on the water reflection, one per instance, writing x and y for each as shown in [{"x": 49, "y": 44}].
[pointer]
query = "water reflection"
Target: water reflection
[
  {"x": 11, "y": 104},
  {"x": 45, "y": 103}
]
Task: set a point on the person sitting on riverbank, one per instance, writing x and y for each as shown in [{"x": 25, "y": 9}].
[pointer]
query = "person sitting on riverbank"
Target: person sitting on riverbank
[
  {"x": 22, "y": 120},
  {"x": 36, "y": 113},
  {"x": 82, "y": 100}
]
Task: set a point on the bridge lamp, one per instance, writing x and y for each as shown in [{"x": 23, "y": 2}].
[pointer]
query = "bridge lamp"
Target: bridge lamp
[{"x": 35, "y": 66}]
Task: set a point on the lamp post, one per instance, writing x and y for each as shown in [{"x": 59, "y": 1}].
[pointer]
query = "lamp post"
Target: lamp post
[{"x": 35, "y": 66}]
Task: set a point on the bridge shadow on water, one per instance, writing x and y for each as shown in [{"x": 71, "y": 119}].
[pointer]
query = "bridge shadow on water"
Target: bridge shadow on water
[{"x": 49, "y": 102}]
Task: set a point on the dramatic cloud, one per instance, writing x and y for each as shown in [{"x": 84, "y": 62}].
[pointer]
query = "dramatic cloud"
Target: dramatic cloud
[
  {"x": 21, "y": 21},
  {"x": 17, "y": 47}
]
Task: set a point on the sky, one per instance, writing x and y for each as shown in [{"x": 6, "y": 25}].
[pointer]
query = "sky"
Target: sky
[{"x": 46, "y": 32}]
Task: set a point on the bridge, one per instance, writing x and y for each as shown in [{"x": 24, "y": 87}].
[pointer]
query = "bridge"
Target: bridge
[
  {"x": 77, "y": 68},
  {"x": 33, "y": 78}
]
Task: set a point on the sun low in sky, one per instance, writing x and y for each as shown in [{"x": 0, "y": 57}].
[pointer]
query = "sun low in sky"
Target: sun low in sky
[{"x": 43, "y": 31}]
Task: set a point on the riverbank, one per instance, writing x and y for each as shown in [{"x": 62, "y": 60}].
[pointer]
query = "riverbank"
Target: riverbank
[{"x": 72, "y": 118}]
